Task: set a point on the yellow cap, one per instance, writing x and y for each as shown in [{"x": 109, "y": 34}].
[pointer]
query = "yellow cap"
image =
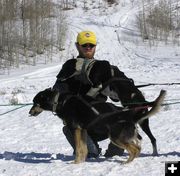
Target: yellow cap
[{"x": 86, "y": 37}]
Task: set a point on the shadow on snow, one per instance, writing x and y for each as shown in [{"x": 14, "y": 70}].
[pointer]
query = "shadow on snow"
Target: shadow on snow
[
  {"x": 35, "y": 157},
  {"x": 48, "y": 158},
  {"x": 174, "y": 153},
  {"x": 41, "y": 157}
]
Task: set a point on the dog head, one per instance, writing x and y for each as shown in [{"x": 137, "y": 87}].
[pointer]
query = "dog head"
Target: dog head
[{"x": 43, "y": 101}]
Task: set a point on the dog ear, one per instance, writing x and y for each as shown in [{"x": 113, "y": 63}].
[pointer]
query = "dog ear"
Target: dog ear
[
  {"x": 48, "y": 89},
  {"x": 53, "y": 90}
]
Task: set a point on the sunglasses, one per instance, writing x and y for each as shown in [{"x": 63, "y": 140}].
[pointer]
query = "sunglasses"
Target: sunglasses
[{"x": 88, "y": 45}]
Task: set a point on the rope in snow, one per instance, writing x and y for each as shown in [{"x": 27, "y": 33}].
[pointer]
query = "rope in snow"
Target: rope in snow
[
  {"x": 164, "y": 104},
  {"x": 21, "y": 106},
  {"x": 154, "y": 84}
]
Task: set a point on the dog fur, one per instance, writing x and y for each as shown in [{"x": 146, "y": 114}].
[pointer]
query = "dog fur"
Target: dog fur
[
  {"x": 119, "y": 125},
  {"x": 99, "y": 79}
]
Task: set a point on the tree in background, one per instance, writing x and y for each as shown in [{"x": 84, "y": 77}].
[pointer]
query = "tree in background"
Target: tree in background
[
  {"x": 159, "y": 21},
  {"x": 27, "y": 29}
]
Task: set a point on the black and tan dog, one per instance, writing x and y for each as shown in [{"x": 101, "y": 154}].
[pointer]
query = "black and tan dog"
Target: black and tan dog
[
  {"x": 118, "y": 123},
  {"x": 99, "y": 79}
]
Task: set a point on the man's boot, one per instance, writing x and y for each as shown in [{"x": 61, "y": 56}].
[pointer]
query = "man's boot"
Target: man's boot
[{"x": 113, "y": 150}]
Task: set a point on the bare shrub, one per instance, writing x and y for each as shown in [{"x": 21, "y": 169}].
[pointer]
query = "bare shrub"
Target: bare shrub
[
  {"x": 158, "y": 21},
  {"x": 27, "y": 29},
  {"x": 111, "y": 1},
  {"x": 160, "y": 17}
]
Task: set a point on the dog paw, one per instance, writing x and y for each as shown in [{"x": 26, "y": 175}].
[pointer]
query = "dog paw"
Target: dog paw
[{"x": 77, "y": 161}]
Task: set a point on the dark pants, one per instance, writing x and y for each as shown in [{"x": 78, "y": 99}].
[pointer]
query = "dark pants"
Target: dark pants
[{"x": 92, "y": 144}]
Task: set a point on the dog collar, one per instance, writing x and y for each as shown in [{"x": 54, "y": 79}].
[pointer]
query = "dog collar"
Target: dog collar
[{"x": 55, "y": 103}]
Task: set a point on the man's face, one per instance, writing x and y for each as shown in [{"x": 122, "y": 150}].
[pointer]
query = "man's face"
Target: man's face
[{"x": 86, "y": 50}]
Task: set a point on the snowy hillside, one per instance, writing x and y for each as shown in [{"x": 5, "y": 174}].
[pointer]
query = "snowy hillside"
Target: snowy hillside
[{"x": 36, "y": 146}]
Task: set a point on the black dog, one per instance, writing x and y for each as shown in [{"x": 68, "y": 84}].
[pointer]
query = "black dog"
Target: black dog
[
  {"x": 99, "y": 79},
  {"x": 117, "y": 123}
]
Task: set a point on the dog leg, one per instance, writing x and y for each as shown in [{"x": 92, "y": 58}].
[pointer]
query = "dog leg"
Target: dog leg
[
  {"x": 133, "y": 150},
  {"x": 80, "y": 145},
  {"x": 145, "y": 127},
  {"x": 84, "y": 144}
]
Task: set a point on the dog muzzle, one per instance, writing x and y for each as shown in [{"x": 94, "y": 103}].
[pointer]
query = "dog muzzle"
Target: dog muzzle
[{"x": 35, "y": 110}]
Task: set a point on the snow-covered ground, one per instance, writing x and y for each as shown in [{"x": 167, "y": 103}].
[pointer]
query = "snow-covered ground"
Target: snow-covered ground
[{"x": 36, "y": 146}]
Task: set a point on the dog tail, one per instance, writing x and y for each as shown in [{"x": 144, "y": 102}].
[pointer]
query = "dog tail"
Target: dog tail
[{"x": 155, "y": 107}]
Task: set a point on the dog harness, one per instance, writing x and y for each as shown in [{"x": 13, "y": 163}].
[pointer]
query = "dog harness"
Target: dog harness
[
  {"x": 56, "y": 102},
  {"x": 83, "y": 68}
]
